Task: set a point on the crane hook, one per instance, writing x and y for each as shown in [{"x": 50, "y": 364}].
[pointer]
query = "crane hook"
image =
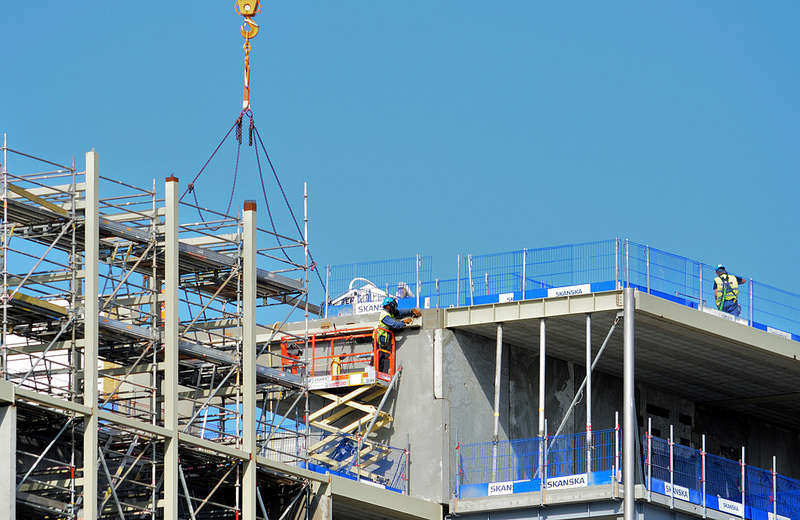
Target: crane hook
[{"x": 249, "y": 29}]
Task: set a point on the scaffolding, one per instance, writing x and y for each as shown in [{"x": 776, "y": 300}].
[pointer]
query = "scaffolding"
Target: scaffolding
[{"x": 133, "y": 338}]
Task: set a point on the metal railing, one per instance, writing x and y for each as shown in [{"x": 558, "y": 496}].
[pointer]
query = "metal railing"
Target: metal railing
[
  {"x": 536, "y": 273},
  {"x": 714, "y": 482}
]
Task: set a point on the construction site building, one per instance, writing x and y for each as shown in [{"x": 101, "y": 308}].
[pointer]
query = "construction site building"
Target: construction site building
[{"x": 141, "y": 377}]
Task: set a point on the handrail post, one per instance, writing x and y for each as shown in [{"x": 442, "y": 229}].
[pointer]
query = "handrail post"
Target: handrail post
[
  {"x": 438, "y": 295},
  {"x": 751, "y": 301},
  {"x": 647, "y": 256},
  {"x": 703, "y": 473},
  {"x": 458, "y": 282},
  {"x": 524, "y": 269},
  {"x": 327, "y": 292},
  {"x": 419, "y": 264},
  {"x": 671, "y": 468},
  {"x": 616, "y": 263},
  {"x": 471, "y": 284},
  {"x": 616, "y": 452},
  {"x": 700, "y": 288},
  {"x": 743, "y": 482},
  {"x": 774, "y": 491},
  {"x": 649, "y": 458}
]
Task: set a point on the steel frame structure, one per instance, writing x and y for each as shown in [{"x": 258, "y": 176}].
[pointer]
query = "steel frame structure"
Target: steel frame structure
[{"x": 131, "y": 342}]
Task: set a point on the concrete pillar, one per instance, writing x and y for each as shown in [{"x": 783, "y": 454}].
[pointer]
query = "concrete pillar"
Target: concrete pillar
[
  {"x": 91, "y": 311},
  {"x": 629, "y": 407},
  {"x": 249, "y": 408},
  {"x": 169, "y": 387},
  {"x": 8, "y": 461}
]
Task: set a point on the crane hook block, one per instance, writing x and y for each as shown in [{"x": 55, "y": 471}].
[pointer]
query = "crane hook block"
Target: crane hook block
[
  {"x": 249, "y": 29},
  {"x": 247, "y": 8}
]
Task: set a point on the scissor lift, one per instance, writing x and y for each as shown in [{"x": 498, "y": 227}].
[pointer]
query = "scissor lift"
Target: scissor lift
[{"x": 348, "y": 371}]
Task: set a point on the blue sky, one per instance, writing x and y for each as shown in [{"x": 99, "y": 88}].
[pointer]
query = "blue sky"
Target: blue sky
[{"x": 441, "y": 127}]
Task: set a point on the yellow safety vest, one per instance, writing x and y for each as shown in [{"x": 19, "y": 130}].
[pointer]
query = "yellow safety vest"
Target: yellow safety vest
[
  {"x": 727, "y": 288},
  {"x": 382, "y": 333}
]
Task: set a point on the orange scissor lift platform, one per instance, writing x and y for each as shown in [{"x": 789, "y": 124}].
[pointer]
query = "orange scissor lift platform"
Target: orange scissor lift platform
[{"x": 350, "y": 373}]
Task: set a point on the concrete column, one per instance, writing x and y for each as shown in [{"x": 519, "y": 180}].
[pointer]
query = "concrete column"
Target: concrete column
[
  {"x": 169, "y": 387},
  {"x": 498, "y": 366},
  {"x": 8, "y": 460},
  {"x": 629, "y": 410},
  {"x": 588, "y": 393},
  {"x": 249, "y": 408},
  {"x": 91, "y": 311}
]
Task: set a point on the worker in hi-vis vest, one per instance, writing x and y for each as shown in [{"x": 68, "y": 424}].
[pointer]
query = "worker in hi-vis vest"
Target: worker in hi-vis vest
[
  {"x": 726, "y": 291},
  {"x": 391, "y": 319}
]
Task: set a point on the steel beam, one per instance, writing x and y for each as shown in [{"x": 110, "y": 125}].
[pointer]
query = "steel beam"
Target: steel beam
[
  {"x": 169, "y": 386},
  {"x": 629, "y": 411},
  {"x": 91, "y": 311},
  {"x": 249, "y": 408}
]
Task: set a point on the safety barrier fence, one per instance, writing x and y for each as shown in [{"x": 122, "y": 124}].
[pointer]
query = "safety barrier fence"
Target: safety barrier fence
[
  {"x": 713, "y": 482},
  {"x": 356, "y": 458},
  {"x": 521, "y": 465},
  {"x": 552, "y": 271}
]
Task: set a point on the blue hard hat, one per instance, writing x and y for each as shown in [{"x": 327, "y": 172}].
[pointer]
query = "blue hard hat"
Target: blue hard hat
[
  {"x": 389, "y": 301},
  {"x": 720, "y": 267}
]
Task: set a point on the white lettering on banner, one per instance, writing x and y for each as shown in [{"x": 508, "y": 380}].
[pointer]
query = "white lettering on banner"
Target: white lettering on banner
[
  {"x": 724, "y": 315},
  {"x": 779, "y": 332},
  {"x": 506, "y": 297},
  {"x": 501, "y": 488},
  {"x": 676, "y": 491},
  {"x": 570, "y": 290},
  {"x": 366, "y": 307},
  {"x": 771, "y": 516},
  {"x": 373, "y": 484},
  {"x": 730, "y": 506},
  {"x": 569, "y": 481}
]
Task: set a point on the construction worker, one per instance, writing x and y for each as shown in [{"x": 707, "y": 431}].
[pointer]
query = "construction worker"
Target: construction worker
[
  {"x": 726, "y": 291},
  {"x": 390, "y": 320}
]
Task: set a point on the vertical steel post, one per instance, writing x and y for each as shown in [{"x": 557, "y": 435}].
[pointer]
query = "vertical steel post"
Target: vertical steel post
[
  {"x": 671, "y": 468},
  {"x": 486, "y": 281},
  {"x": 498, "y": 365},
  {"x": 542, "y": 355},
  {"x": 327, "y": 287},
  {"x": 524, "y": 270},
  {"x": 471, "y": 284},
  {"x": 700, "y": 302},
  {"x": 774, "y": 491},
  {"x": 703, "y": 473},
  {"x": 649, "y": 459},
  {"x": 616, "y": 263},
  {"x": 458, "y": 282},
  {"x": 647, "y": 256},
  {"x": 743, "y": 482},
  {"x": 751, "y": 301},
  {"x": 616, "y": 476},
  {"x": 627, "y": 264},
  {"x": 91, "y": 312},
  {"x": 438, "y": 295},
  {"x": 629, "y": 413},
  {"x": 588, "y": 395},
  {"x": 419, "y": 264},
  {"x": 249, "y": 407},
  {"x": 4, "y": 367},
  {"x": 169, "y": 387}
]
